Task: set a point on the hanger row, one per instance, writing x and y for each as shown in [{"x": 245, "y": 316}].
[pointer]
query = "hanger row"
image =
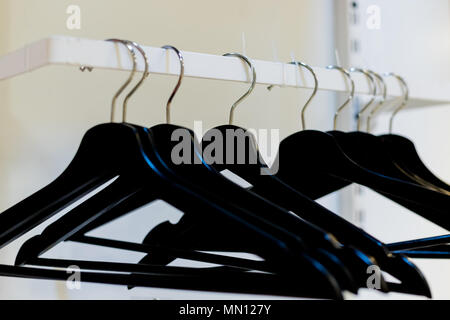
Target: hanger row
[
  {"x": 375, "y": 94},
  {"x": 306, "y": 250}
]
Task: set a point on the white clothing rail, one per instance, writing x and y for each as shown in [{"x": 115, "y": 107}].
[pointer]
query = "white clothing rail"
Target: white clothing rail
[{"x": 100, "y": 54}]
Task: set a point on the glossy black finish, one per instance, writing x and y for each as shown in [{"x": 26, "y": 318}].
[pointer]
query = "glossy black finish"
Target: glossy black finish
[
  {"x": 279, "y": 188},
  {"x": 312, "y": 236},
  {"x": 235, "y": 196},
  {"x": 429, "y": 248},
  {"x": 87, "y": 170},
  {"x": 356, "y": 261},
  {"x": 273, "y": 188},
  {"x": 325, "y": 167},
  {"x": 137, "y": 172},
  {"x": 375, "y": 153}
]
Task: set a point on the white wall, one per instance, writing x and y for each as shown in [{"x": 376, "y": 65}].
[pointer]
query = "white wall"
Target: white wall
[{"x": 413, "y": 41}]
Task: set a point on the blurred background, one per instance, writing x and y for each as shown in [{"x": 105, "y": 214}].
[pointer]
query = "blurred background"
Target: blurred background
[{"x": 44, "y": 114}]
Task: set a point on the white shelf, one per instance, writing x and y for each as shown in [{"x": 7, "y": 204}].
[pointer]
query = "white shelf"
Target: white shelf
[{"x": 100, "y": 54}]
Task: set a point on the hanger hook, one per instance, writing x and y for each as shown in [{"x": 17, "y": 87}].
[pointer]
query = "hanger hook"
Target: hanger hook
[
  {"x": 252, "y": 86},
  {"x": 404, "y": 100},
  {"x": 144, "y": 76},
  {"x": 316, "y": 84},
  {"x": 180, "y": 78},
  {"x": 373, "y": 95},
  {"x": 380, "y": 103},
  {"x": 350, "y": 96},
  {"x": 127, "y": 82}
]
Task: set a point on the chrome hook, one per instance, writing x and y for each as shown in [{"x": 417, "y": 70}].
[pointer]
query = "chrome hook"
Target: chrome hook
[
  {"x": 404, "y": 100},
  {"x": 180, "y": 78},
  {"x": 144, "y": 76},
  {"x": 252, "y": 86},
  {"x": 127, "y": 82},
  {"x": 373, "y": 94},
  {"x": 349, "y": 98},
  {"x": 316, "y": 84},
  {"x": 380, "y": 103}
]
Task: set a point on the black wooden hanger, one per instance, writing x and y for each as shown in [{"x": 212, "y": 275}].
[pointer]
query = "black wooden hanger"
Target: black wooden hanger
[
  {"x": 372, "y": 153},
  {"x": 310, "y": 210},
  {"x": 403, "y": 151},
  {"x": 341, "y": 228},
  {"x": 126, "y": 185},
  {"x": 98, "y": 159},
  {"x": 406, "y": 157},
  {"x": 130, "y": 155},
  {"x": 369, "y": 152},
  {"x": 289, "y": 220},
  {"x": 321, "y": 176},
  {"x": 74, "y": 181},
  {"x": 288, "y": 194},
  {"x": 164, "y": 133},
  {"x": 111, "y": 215},
  {"x": 116, "y": 149}
]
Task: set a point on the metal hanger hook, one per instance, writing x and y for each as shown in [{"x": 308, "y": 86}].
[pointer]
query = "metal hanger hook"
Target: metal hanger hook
[
  {"x": 373, "y": 95},
  {"x": 144, "y": 76},
  {"x": 252, "y": 86},
  {"x": 180, "y": 79},
  {"x": 316, "y": 85},
  {"x": 127, "y": 82},
  {"x": 351, "y": 93},
  {"x": 404, "y": 100},
  {"x": 380, "y": 103}
]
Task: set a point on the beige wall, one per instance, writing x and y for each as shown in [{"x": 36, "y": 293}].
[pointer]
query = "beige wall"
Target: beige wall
[{"x": 45, "y": 113}]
